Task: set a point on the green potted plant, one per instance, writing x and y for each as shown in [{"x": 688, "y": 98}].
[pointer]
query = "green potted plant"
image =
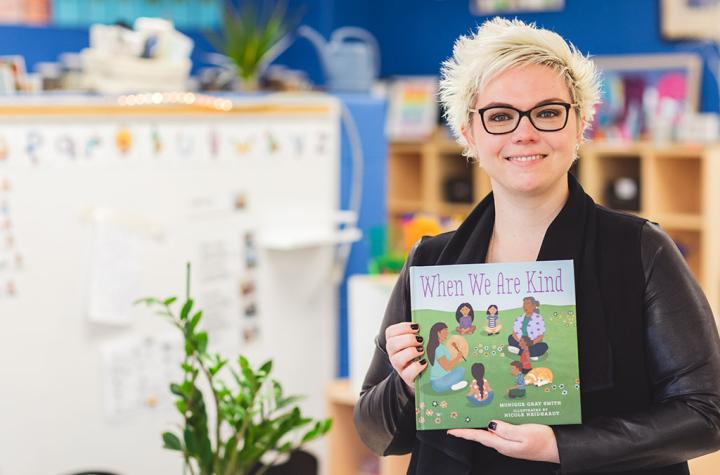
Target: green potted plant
[
  {"x": 254, "y": 421},
  {"x": 252, "y": 36}
]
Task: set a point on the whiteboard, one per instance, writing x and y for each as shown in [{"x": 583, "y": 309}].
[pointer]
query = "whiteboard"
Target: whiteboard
[{"x": 101, "y": 204}]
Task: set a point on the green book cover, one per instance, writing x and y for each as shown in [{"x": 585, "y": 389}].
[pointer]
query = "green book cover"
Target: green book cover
[{"x": 501, "y": 343}]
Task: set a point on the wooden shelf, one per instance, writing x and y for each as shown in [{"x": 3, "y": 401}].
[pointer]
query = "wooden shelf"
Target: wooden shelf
[
  {"x": 347, "y": 453},
  {"x": 678, "y": 221},
  {"x": 400, "y": 206}
]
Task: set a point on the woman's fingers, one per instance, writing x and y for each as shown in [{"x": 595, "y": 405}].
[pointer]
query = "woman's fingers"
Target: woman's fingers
[
  {"x": 412, "y": 371},
  {"x": 398, "y": 343},
  {"x": 400, "y": 329},
  {"x": 403, "y": 358},
  {"x": 404, "y": 348}
]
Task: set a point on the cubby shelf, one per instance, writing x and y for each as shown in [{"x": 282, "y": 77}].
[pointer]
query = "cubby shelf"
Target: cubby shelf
[{"x": 679, "y": 188}]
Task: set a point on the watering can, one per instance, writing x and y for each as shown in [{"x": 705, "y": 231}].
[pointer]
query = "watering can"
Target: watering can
[{"x": 349, "y": 66}]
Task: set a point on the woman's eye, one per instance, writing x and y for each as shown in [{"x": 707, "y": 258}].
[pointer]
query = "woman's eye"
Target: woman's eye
[
  {"x": 548, "y": 114},
  {"x": 500, "y": 117}
]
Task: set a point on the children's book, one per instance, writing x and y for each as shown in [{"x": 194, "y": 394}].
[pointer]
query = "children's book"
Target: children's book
[{"x": 500, "y": 341}]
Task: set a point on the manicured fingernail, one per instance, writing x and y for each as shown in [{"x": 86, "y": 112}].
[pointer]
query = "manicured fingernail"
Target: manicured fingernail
[
  {"x": 423, "y": 361},
  {"x": 414, "y": 326},
  {"x": 419, "y": 338},
  {"x": 492, "y": 425},
  {"x": 419, "y": 348}
]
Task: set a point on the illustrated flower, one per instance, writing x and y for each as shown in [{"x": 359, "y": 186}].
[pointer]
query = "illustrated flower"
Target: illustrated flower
[
  {"x": 562, "y": 386},
  {"x": 453, "y": 415},
  {"x": 555, "y": 314},
  {"x": 502, "y": 355},
  {"x": 443, "y": 404},
  {"x": 421, "y": 420},
  {"x": 577, "y": 386},
  {"x": 547, "y": 390},
  {"x": 487, "y": 347},
  {"x": 428, "y": 412},
  {"x": 434, "y": 403},
  {"x": 577, "y": 381},
  {"x": 417, "y": 410},
  {"x": 474, "y": 353},
  {"x": 467, "y": 419},
  {"x": 564, "y": 392},
  {"x": 554, "y": 387},
  {"x": 493, "y": 353},
  {"x": 500, "y": 347},
  {"x": 422, "y": 405},
  {"x": 486, "y": 354},
  {"x": 437, "y": 420}
]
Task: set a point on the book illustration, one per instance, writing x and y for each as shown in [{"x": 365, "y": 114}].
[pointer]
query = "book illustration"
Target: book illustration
[{"x": 501, "y": 343}]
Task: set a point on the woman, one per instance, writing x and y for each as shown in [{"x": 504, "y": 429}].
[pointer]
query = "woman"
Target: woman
[
  {"x": 445, "y": 375},
  {"x": 519, "y": 99},
  {"x": 528, "y": 332}
]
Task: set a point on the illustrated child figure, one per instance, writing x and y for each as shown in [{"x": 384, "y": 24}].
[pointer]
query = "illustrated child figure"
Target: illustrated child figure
[
  {"x": 491, "y": 315},
  {"x": 525, "y": 358},
  {"x": 480, "y": 394},
  {"x": 465, "y": 316},
  {"x": 519, "y": 389}
]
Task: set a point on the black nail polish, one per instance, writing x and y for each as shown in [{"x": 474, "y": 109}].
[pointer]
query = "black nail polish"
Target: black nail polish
[
  {"x": 414, "y": 326},
  {"x": 492, "y": 425},
  {"x": 423, "y": 361},
  {"x": 419, "y": 338},
  {"x": 419, "y": 348}
]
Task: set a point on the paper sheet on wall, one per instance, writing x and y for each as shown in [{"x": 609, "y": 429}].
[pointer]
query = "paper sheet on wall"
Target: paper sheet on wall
[
  {"x": 137, "y": 372},
  {"x": 115, "y": 272}
]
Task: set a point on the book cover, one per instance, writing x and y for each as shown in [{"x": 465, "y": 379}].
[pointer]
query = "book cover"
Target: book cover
[{"x": 501, "y": 343}]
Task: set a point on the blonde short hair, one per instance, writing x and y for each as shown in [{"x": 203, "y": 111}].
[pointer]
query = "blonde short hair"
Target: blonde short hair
[{"x": 500, "y": 44}]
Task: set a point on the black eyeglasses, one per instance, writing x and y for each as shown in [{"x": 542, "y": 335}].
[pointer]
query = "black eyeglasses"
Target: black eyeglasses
[{"x": 548, "y": 117}]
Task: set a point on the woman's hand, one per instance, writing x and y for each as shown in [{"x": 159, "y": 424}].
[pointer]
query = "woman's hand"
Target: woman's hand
[
  {"x": 526, "y": 441},
  {"x": 403, "y": 346}
]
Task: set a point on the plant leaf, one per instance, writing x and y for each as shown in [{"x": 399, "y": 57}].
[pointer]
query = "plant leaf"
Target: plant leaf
[
  {"x": 171, "y": 441},
  {"x": 186, "y": 309}
]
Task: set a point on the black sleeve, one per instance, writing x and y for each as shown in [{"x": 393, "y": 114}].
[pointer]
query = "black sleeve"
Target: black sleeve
[
  {"x": 385, "y": 413},
  {"x": 684, "y": 365}
]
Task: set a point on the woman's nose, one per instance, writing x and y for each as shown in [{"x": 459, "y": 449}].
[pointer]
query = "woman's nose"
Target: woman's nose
[{"x": 525, "y": 131}]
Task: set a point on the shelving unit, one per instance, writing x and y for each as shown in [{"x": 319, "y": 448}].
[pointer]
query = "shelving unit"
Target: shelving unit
[
  {"x": 347, "y": 453},
  {"x": 418, "y": 173},
  {"x": 679, "y": 189}
]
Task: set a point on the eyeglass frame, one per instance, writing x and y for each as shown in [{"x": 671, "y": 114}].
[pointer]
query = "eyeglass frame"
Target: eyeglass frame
[{"x": 526, "y": 113}]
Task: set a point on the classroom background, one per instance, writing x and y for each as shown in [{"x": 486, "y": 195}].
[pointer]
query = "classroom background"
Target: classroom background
[{"x": 274, "y": 161}]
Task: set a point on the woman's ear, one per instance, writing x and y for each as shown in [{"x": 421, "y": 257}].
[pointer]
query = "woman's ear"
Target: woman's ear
[{"x": 467, "y": 135}]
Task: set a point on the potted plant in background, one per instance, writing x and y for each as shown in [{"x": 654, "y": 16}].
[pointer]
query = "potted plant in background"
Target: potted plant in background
[
  {"x": 254, "y": 421},
  {"x": 253, "y": 35}
]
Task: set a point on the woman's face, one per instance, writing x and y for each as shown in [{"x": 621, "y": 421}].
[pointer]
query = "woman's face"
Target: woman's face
[
  {"x": 492, "y": 310},
  {"x": 442, "y": 335},
  {"x": 551, "y": 153},
  {"x": 464, "y": 311}
]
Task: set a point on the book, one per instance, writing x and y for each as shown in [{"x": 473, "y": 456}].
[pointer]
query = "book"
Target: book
[{"x": 500, "y": 341}]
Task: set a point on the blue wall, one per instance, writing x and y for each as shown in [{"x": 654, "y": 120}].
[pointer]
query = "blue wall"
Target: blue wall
[{"x": 417, "y": 35}]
